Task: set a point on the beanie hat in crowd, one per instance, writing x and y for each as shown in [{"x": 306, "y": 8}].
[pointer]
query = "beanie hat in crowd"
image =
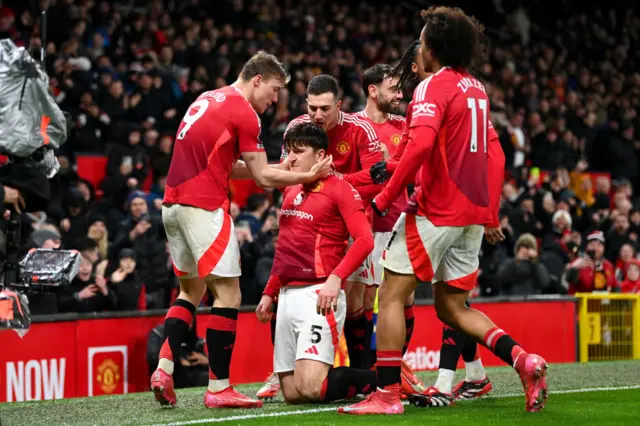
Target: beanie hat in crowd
[
  {"x": 136, "y": 194},
  {"x": 527, "y": 241}
]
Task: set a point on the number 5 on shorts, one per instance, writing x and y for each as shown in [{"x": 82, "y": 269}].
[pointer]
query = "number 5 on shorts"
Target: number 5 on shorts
[{"x": 315, "y": 335}]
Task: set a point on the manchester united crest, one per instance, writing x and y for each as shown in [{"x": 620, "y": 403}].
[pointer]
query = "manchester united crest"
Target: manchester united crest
[
  {"x": 318, "y": 187},
  {"x": 343, "y": 147},
  {"x": 395, "y": 139},
  {"x": 108, "y": 375}
]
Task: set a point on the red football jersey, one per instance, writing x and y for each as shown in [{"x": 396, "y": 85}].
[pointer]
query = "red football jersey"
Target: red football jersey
[
  {"x": 315, "y": 223},
  {"x": 496, "y": 174},
  {"x": 448, "y": 143},
  {"x": 390, "y": 134},
  {"x": 216, "y": 129},
  {"x": 353, "y": 143}
]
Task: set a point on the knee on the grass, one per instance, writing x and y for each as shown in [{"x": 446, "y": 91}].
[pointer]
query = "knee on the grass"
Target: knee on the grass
[
  {"x": 289, "y": 392},
  {"x": 309, "y": 378}
]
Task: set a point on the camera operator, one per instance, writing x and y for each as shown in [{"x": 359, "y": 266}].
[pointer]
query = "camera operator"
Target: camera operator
[
  {"x": 524, "y": 274},
  {"x": 591, "y": 272}
]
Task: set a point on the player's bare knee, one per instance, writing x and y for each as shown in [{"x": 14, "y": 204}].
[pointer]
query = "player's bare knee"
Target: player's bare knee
[
  {"x": 449, "y": 309},
  {"x": 369, "y": 298},
  {"x": 411, "y": 299},
  {"x": 309, "y": 385},
  {"x": 226, "y": 292},
  {"x": 288, "y": 388},
  {"x": 192, "y": 289},
  {"x": 355, "y": 296}
]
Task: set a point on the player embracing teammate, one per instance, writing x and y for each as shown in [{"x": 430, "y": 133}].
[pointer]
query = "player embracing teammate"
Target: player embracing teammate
[
  {"x": 448, "y": 142},
  {"x": 218, "y": 128}
]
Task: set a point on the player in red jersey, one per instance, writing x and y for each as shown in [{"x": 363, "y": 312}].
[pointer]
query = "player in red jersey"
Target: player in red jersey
[
  {"x": 219, "y": 127},
  {"x": 454, "y": 343},
  {"x": 309, "y": 271},
  {"x": 354, "y": 146},
  {"x": 380, "y": 86},
  {"x": 448, "y": 129}
]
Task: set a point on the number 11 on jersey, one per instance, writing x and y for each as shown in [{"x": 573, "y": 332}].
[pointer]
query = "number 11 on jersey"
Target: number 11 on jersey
[{"x": 482, "y": 105}]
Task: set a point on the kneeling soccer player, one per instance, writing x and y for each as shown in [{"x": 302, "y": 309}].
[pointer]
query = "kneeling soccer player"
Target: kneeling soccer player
[{"x": 309, "y": 270}]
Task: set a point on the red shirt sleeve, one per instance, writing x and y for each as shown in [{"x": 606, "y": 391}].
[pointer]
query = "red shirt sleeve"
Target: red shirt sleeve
[
  {"x": 273, "y": 286},
  {"x": 352, "y": 212},
  {"x": 247, "y": 126},
  {"x": 429, "y": 105},
  {"x": 369, "y": 153},
  {"x": 496, "y": 175},
  {"x": 421, "y": 142}
]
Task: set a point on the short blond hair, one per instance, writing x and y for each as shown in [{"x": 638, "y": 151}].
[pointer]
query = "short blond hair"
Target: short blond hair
[{"x": 266, "y": 65}]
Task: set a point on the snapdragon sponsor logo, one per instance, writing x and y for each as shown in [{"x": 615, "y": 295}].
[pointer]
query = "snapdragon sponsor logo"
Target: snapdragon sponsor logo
[{"x": 297, "y": 213}]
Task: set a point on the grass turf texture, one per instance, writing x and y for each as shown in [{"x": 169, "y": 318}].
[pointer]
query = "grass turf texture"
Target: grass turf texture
[{"x": 580, "y": 394}]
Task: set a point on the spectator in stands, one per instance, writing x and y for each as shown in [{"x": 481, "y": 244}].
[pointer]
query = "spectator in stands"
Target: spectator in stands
[
  {"x": 523, "y": 274},
  {"x": 563, "y": 100},
  {"x": 627, "y": 254},
  {"x": 592, "y": 272},
  {"x": 74, "y": 225},
  {"x": 257, "y": 205},
  {"x": 144, "y": 233},
  {"x": 125, "y": 283},
  {"x": 87, "y": 292},
  {"x": 631, "y": 283},
  {"x": 97, "y": 231}
]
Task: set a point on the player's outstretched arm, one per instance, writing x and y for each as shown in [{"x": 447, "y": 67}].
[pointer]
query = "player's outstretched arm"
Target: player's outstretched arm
[
  {"x": 241, "y": 171},
  {"x": 421, "y": 141},
  {"x": 271, "y": 177}
]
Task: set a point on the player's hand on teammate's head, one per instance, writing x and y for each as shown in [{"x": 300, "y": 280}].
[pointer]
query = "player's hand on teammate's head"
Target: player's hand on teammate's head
[
  {"x": 285, "y": 164},
  {"x": 321, "y": 169},
  {"x": 263, "y": 311},
  {"x": 493, "y": 235}
]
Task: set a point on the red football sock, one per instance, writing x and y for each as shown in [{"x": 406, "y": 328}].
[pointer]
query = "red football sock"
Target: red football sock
[{"x": 504, "y": 347}]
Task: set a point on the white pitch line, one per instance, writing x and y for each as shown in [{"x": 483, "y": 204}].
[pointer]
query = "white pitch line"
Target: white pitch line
[{"x": 334, "y": 408}]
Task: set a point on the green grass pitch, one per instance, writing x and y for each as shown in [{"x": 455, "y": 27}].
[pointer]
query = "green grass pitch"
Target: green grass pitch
[{"x": 580, "y": 394}]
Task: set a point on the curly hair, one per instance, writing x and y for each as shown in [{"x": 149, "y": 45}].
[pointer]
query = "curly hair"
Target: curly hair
[{"x": 453, "y": 37}]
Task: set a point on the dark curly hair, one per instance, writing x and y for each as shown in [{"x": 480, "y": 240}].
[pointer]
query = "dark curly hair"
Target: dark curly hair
[
  {"x": 404, "y": 69},
  {"x": 454, "y": 38}
]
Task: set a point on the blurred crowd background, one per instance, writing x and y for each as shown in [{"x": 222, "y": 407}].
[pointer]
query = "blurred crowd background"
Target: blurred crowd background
[{"x": 562, "y": 76}]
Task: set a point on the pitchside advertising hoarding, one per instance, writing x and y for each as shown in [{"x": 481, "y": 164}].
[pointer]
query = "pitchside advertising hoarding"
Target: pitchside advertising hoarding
[{"x": 108, "y": 356}]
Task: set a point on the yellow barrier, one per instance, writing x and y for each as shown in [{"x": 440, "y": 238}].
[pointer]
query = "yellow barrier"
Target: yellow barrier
[{"x": 609, "y": 326}]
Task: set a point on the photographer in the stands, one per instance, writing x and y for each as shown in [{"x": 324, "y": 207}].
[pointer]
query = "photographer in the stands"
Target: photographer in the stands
[{"x": 591, "y": 272}]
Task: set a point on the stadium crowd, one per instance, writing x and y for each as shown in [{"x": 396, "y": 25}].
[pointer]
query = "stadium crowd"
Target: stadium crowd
[{"x": 564, "y": 91}]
